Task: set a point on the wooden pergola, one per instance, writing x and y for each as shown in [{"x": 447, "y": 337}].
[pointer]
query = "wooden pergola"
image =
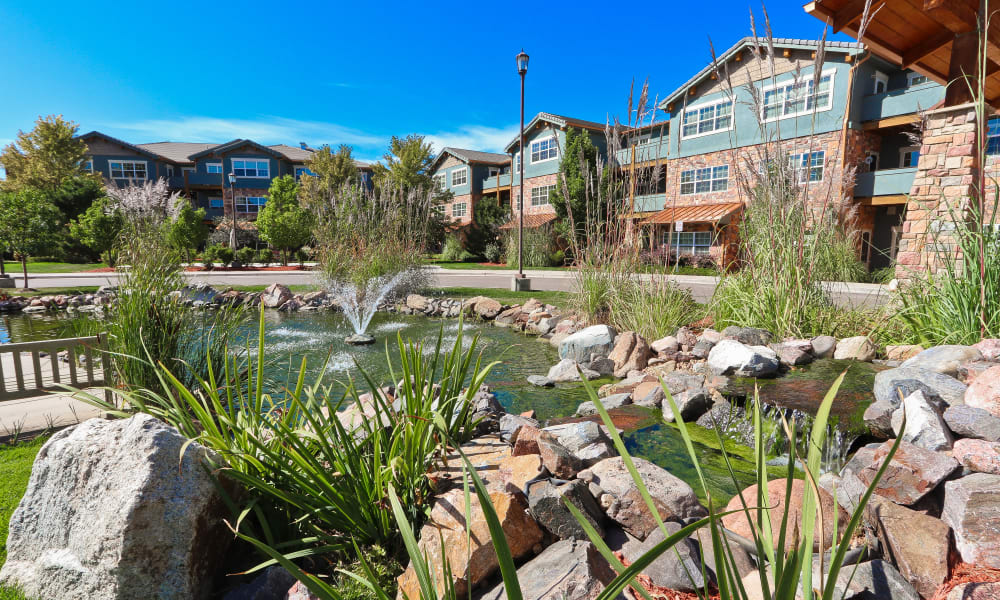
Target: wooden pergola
[{"x": 937, "y": 38}]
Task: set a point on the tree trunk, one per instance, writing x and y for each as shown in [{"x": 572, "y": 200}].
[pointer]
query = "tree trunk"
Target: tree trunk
[{"x": 24, "y": 267}]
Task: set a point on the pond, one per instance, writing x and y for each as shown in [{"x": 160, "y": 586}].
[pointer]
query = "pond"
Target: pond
[{"x": 318, "y": 338}]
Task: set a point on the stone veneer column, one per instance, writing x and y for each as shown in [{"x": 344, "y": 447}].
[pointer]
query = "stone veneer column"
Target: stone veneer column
[{"x": 941, "y": 190}]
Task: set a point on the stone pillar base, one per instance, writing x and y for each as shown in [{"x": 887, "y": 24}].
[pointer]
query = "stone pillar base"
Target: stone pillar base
[
  {"x": 6, "y": 281},
  {"x": 520, "y": 284}
]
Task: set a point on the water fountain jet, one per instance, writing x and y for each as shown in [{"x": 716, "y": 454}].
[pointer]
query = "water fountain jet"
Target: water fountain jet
[{"x": 359, "y": 303}]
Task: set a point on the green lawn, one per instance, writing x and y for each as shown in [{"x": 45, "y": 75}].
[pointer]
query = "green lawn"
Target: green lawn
[
  {"x": 504, "y": 296},
  {"x": 15, "y": 464},
  {"x": 53, "y": 267},
  {"x": 68, "y": 291},
  {"x": 474, "y": 265}
]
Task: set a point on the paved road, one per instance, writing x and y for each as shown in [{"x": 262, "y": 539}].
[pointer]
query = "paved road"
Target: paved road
[{"x": 701, "y": 287}]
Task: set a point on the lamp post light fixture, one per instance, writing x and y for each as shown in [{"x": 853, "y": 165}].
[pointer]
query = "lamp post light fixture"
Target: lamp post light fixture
[
  {"x": 232, "y": 191},
  {"x": 520, "y": 283}
]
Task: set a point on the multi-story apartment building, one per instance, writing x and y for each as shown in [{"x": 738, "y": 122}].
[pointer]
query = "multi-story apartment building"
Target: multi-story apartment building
[
  {"x": 848, "y": 133},
  {"x": 201, "y": 170},
  {"x": 464, "y": 173}
]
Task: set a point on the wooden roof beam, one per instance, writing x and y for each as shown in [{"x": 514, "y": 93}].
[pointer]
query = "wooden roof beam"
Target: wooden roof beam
[
  {"x": 927, "y": 47},
  {"x": 957, "y": 15},
  {"x": 851, "y": 12}
]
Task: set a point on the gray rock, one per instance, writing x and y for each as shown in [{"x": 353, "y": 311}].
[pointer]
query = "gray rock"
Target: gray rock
[
  {"x": 566, "y": 370},
  {"x": 972, "y": 509},
  {"x": 924, "y": 425},
  {"x": 597, "y": 339},
  {"x": 665, "y": 345},
  {"x": 730, "y": 357},
  {"x": 878, "y": 418},
  {"x": 602, "y": 365},
  {"x": 873, "y": 580},
  {"x": 792, "y": 355},
  {"x": 972, "y": 422},
  {"x": 702, "y": 348},
  {"x": 673, "y": 497},
  {"x": 110, "y": 514},
  {"x": 912, "y": 473},
  {"x": 566, "y": 570},
  {"x": 276, "y": 295},
  {"x": 750, "y": 336},
  {"x": 540, "y": 381},
  {"x": 272, "y": 584},
  {"x": 613, "y": 401},
  {"x": 596, "y": 452},
  {"x": 511, "y": 424},
  {"x": 824, "y": 346},
  {"x": 677, "y": 569},
  {"x": 574, "y": 436},
  {"x": 742, "y": 559},
  {"x": 850, "y": 488},
  {"x": 546, "y": 501},
  {"x": 858, "y": 348},
  {"x": 692, "y": 403},
  {"x": 944, "y": 359},
  {"x": 934, "y": 385}
]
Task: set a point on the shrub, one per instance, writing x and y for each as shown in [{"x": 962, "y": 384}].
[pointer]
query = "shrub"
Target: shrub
[
  {"x": 264, "y": 256},
  {"x": 492, "y": 253},
  {"x": 224, "y": 254},
  {"x": 539, "y": 247},
  {"x": 453, "y": 250},
  {"x": 246, "y": 255},
  {"x": 654, "y": 309}
]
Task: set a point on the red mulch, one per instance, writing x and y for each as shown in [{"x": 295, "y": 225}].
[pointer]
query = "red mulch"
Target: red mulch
[
  {"x": 966, "y": 573},
  {"x": 101, "y": 270},
  {"x": 661, "y": 593}
]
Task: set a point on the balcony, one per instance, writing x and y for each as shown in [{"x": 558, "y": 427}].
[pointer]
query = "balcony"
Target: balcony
[
  {"x": 901, "y": 102},
  {"x": 649, "y": 202},
  {"x": 643, "y": 153},
  {"x": 492, "y": 183},
  {"x": 885, "y": 182}
]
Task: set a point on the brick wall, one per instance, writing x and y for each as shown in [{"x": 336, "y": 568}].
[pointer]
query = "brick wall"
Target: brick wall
[
  {"x": 470, "y": 200},
  {"x": 941, "y": 190},
  {"x": 227, "y": 199},
  {"x": 529, "y": 183}
]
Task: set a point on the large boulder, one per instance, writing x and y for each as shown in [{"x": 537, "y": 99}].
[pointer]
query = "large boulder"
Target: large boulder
[
  {"x": 824, "y": 346},
  {"x": 566, "y": 570},
  {"x": 482, "y": 307},
  {"x": 855, "y": 348},
  {"x": 689, "y": 394},
  {"x": 935, "y": 385},
  {"x": 944, "y": 359},
  {"x": 631, "y": 353},
  {"x": 984, "y": 392},
  {"x": 546, "y": 500},
  {"x": 912, "y": 473},
  {"x": 673, "y": 498},
  {"x": 775, "y": 501},
  {"x": 679, "y": 568},
  {"x": 114, "y": 511},
  {"x": 924, "y": 426},
  {"x": 567, "y": 370},
  {"x": 582, "y": 439},
  {"x": 919, "y": 544},
  {"x": 969, "y": 421},
  {"x": 467, "y": 546},
  {"x": 597, "y": 339},
  {"x": 972, "y": 508},
  {"x": 730, "y": 357},
  {"x": 751, "y": 336},
  {"x": 276, "y": 295}
]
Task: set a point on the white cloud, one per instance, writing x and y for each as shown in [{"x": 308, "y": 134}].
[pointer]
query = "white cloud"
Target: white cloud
[
  {"x": 475, "y": 137},
  {"x": 269, "y": 130}
]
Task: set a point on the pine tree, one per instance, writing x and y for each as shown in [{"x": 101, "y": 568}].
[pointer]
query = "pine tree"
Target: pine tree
[
  {"x": 407, "y": 163},
  {"x": 578, "y": 168}
]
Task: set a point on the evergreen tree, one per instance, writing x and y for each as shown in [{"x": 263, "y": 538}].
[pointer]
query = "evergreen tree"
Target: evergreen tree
[
  {"x": 45, "y": 157},
  {"x": 28, "y": 221},
  {"x": 487, "y": 217},
  {"x": 283, "y": 222},
  {"x": 407, "y": 163},
  {"x": 578, "y": 167}
]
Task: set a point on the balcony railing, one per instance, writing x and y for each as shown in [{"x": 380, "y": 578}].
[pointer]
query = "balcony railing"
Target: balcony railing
[
  {"x": 901, "y": 102},
  {"x": 885, "y": 182},
  {"x": 649, "y": 202},
  {"x": 491, "y": 183},
  {"x": 643, "y": 153}
]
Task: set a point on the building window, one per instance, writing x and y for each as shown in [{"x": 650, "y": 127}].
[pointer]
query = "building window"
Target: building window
[
  {"x": 459, "y": 177},
  {"x": 708, "y": 179},
  {"x": 439, "y": 182},
  {"x": 808, "y": 166},
  {"x": 993, "y": 136},
  {"x": 913, "y": 79},
  {"x": 246, "y": 167},
  {"x": 215, "y": 168},
  {"x": 250, "y": 204},
  {"x": 702, "y": 120},
  {"x": 687, "y": 242},
  {"x": 542, "y": 150},
  {"x": 881, "y": 82},
  {"x": 494, "y": 172},
  {"x": 871, "y": 161},
  {"x": 517, "y": 163},
  {"x": 169, "y": 170},
  {"x": 215, "y": 202},
  {"x": 540, "y": 194},
  {"x": 459, "y": 209},
  {"x": 87, "y": 165},
  {"x": 128, "y": 169},
  {"x": 799, "y": 97},
  {"x": 909, "y": 156},
  {"x": 300, "y": 171},
  {"x": 189, "y": 170}
]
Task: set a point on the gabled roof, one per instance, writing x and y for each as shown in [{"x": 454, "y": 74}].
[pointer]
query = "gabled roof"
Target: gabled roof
[
  {"x": 179, "y": 152},
  {"x": 137, "y": 149},
  {"x": 748, "y": 42},
  {"x": 293, "y": 153},
  {"x": 222, "y": 148},
  {"x": 559, "y": 121},
  {"x": 472, "y": 157}
]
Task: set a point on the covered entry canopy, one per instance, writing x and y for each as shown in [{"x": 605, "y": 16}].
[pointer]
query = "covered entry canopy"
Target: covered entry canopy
[
  {"x": 937, "y": 38},
  {"x": 706, "y": 213},
  {"x": 531, "y": 221}
]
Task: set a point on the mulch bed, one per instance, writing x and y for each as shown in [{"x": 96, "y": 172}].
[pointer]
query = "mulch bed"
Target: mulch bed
[{"x": 966, "y": 573}]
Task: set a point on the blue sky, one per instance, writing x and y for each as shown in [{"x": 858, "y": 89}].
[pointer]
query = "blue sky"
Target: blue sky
[{"x": 349, "y": 72}]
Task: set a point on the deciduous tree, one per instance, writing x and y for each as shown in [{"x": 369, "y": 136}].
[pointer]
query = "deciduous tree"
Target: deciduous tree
[
  {"x": 99, "y": 228},
  {"x": 407, "y": 163},
  {"x": 577, "y": 171},
  {"x": 45, "y": 157},
  {"x": 283, "y": 222},
  {"x": 330, "y": 170},
  {"x": 187, "y": 230},
  {"x": 28, "y": 221}
]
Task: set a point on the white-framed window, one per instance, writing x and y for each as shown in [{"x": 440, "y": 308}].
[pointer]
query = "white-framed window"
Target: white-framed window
[
  {"x": 301, "y": 170},
  {"x": 993, "y": 136},
  {"x": 459, "y": 209},
  {"x": 705, "y": 119},
  {"x": 517, "y": 162},
  {"x": 913, "y": 78},
  {"x": 439, "y": 184},
  {"x": 881, "y": 82},
  {"x": 687, "y": 242},
  {"x": 252, "y": 167},
  {"x": 87, "y": 165},
  {"x": 543, "y": 150},
  {"x": 127, "y": 169},
  {"x": 250, "y": 204},
  {"x": 800, "y": 96},
  {"x": 213, "y": 168},
  {"x": 460, "y": 177},
  {"x": 707, "y": 179},
  {"x": 871, "y": 160},
  {"x": 909, "y": 156},
  {"x": 540, "y": 194},
  {"x": 215, "y": 202},
  {"x": 808, "y": 166},
  {"x": 438, "y": 209},
  {"x": 494, "y": 172},
  {"x": 169, "y": 170}
]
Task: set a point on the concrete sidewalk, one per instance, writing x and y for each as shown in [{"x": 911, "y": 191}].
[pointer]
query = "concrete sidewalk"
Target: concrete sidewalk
[{"x": 30, "y": 416}]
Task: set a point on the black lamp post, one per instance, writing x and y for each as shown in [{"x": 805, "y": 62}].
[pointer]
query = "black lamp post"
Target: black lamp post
[
  {"x": 232, "y": 190},
  {"x": 522, "y": 69}
]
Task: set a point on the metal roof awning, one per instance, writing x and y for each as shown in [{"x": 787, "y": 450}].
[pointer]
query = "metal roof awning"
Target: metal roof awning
[
  {"x": 706, "y": 213},
  {"x": 531, "y": 221}
]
